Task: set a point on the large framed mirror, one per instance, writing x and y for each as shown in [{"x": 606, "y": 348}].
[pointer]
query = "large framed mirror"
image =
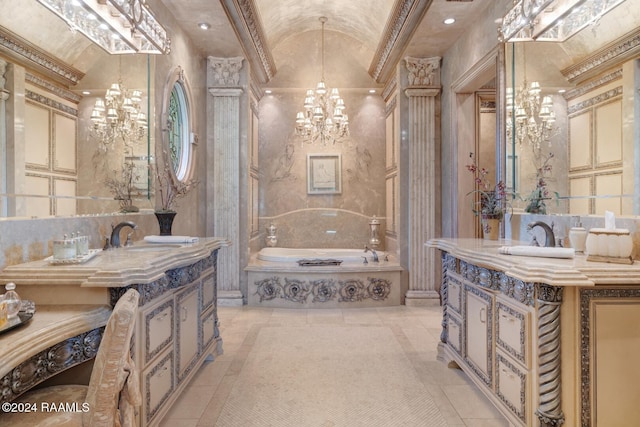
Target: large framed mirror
[
  {"x": 54, "y": 158},
  {"x": 572, "y": 107}
]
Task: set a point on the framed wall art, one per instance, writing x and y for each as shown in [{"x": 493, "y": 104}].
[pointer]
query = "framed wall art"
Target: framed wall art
[{"x": 324, "y": 174}]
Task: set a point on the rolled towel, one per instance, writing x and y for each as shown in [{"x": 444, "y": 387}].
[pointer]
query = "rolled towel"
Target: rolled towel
[
  {"x": 537, "y": 251},
  {"x": 170, "y": 239}
]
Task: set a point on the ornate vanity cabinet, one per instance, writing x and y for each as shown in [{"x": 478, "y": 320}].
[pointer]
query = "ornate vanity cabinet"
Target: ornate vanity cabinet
[
  {"x": 177, "y": 326},
  {"x": 549, "y": 341}
]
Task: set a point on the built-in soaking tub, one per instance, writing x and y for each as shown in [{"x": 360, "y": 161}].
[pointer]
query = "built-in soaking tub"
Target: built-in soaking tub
[{"x": 276, "y": 279}]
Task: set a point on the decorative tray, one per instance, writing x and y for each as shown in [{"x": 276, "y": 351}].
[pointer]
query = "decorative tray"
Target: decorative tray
[
  {"x": 76, "y": 260},
  {"x": 25, "y": 314},
  {"x": 318, "y": 262}
]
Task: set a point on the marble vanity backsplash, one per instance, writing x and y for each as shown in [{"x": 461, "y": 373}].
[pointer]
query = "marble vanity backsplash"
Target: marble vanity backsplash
[
  {"x": 516, "y": 227},
  {"x": 23, "y": 240}
]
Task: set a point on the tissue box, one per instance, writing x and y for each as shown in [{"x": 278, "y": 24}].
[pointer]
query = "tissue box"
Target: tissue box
[{"x": 609, "y": 245}]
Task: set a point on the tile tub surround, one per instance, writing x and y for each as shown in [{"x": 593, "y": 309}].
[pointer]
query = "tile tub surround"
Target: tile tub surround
[
  {"x": 322, "y": 228},
  {"x": 285, "y": 284}
]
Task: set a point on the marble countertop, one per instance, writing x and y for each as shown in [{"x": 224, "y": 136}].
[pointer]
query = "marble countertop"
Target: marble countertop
[
  {"x": 141, "y": 263},
  {"x": 50, "y": 325},
  {"x": 575, "y": 271}
]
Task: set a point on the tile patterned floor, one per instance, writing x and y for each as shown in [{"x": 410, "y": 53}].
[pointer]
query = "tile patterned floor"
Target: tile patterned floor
[{"x": 415, "y": 329}]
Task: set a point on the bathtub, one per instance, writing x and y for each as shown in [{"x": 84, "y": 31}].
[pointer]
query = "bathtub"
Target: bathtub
[
  {"x": 296, "y": 254},
  {"x": 275, "y": 279}
]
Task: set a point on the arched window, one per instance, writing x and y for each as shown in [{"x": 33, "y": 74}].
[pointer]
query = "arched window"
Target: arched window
[
  {"x": 178, "y": 136},
  {"x": 178, "y": 131}
]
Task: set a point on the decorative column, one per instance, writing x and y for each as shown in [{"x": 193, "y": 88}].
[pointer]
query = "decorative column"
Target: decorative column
[
  {"x": 223, "y": 179},
  {"x": 422, "y": 90},
  {"x": 549, "y": 411}
]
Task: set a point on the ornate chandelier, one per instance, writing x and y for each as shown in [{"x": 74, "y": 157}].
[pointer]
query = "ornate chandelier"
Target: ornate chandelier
[
  {"x": 118, "y": 117},
  {"x": 530, "y": 117},
  {"x": 324, "y": 118}
]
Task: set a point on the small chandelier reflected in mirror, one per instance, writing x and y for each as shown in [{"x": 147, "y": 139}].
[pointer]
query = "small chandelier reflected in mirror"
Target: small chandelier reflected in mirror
[
  {"x": 324, "y": 118},
  {"x": 118, "y": 117},
  {"x": 530, "y": 116}
]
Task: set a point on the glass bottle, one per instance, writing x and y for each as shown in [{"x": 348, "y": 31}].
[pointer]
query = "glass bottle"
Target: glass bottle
[{"x": 12, "y": 300}]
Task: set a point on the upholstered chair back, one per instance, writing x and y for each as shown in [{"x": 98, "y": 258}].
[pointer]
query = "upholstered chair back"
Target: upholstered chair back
[{"x": 113, "y": 372}]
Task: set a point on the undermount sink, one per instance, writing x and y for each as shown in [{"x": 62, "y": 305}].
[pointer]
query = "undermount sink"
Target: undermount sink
[{"x": 151, "y": 248}]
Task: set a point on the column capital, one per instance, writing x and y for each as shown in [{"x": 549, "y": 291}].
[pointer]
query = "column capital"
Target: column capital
[
  {"x": 226, "y": 71},
  {"x": 230, "y": 92},
  {"x": 416, "y": 92},
  {"x": 423, "y": 71}
]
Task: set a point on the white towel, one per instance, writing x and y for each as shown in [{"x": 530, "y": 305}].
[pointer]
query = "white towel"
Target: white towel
[
  {"x": 537, "y": 251},
  {"x": 170, "y": 239}
]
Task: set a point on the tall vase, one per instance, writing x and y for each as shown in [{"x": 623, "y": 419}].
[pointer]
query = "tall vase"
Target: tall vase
[
  {"x": 490, "y": 227},
  {"x": 165, "y": 221}
]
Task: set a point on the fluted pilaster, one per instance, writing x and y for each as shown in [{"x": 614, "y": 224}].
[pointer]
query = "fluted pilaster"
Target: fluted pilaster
[
  {"x": 424, "y": 265},
  {"x": 224, "y": 137}
]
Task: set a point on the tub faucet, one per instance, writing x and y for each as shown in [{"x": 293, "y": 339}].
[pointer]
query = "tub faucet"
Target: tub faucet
[
  {"x": 373, "y": 253},
  {"x": 550, "y": 240},
  {"x": 115, "y": 233}
]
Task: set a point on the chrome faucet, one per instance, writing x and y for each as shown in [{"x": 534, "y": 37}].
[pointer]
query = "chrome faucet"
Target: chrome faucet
[
  {"x": 550, "y": 239},
  {"x": 115, "y": 233},
  {"x": 373, "y": 253}
]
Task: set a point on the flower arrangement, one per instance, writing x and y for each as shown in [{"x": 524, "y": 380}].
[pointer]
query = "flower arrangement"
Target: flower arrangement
[
  {"x": 492, "y": 201},
  {"x": 168, "y": 188},
  {"x": 122, "y": 185},
  {"x": 536, "y": 200}
]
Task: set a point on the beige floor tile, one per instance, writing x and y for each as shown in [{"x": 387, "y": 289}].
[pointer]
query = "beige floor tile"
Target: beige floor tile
[
  {"x": 178, "y": 422},
  {"x": 415, "y": 331},
  {"x": 192, "y": 402},
  {"x": 470, "y": 403},
  {"x": 476, "y": 422}
]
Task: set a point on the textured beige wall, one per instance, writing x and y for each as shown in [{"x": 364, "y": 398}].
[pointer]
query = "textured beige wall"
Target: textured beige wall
[{"x": 283, "y": 178}]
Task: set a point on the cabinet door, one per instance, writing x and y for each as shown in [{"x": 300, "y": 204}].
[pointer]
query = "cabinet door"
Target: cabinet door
[
  {"x": 158, "y": 329},
  {"x": 188, "y": 322},
  {"x": 208, "y": 290},
  {"x": 479, "y": 332},
  {"x": 158, "y": 386}
]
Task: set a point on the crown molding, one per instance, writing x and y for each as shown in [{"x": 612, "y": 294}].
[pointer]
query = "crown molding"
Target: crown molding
[
  {"x": 32, "y": 57},
  {"x": 609, "y": 56},
  {"x": 245, "y": 21},
  {"x": 403, "y": 22}
]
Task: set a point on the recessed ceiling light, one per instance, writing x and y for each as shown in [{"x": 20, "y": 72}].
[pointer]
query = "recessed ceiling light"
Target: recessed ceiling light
[
  {"x": 204, "y": 25},
  {"x": 86, "y": 92},
  {"x": 268, "y": 91},
  {"x": 372, "y": 91},
  {"x": 561, "y": 91},
  {"x": 449, "y": 21}
]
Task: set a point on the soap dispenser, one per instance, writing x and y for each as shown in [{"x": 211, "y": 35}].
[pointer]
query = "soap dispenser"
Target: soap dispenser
[
  {"x": 578, "y": 237},
  {"x": 12, "y": 300}
]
